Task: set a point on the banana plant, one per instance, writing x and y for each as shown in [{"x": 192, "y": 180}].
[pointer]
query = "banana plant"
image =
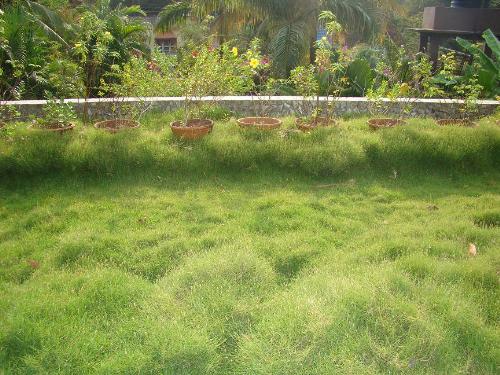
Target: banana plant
[{"x": 486, "y": 68}]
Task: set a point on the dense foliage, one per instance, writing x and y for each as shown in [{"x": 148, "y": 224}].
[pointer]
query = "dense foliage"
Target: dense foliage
[
  {"x": 56, "y": 48},
  {"x": 65, "y": 51}
]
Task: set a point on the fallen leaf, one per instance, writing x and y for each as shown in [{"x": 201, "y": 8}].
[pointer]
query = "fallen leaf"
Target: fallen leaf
[
  {"x": 33, "y": 264},
  {"x": 472, "y": 249}
]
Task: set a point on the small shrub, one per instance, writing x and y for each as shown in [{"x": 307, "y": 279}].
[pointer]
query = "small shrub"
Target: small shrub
[{"x": 56, "y": 114}]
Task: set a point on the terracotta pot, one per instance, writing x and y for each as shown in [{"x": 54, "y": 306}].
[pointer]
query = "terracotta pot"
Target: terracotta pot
[
  {"x": 116, "y": 125},
  {"x": 381, "y": 123},
  {"x": 195, "y": 128},
  {"x": 456, "y": 122},
  {"x": 319, "y": 122},
  {"x": 53, "y": 129},
  {"x": 261, "y": 123}
]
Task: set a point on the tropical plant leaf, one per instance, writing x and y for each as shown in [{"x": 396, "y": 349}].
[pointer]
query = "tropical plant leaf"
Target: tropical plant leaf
[
  {"x": 353, "y": 15},
  {"x": 132, "y": 10},
  {"x": 173, "y": 14},
  {"x": 288, "y": 47},
  {"x": 489, "y": 80},
  {"x": 361, "y": 75},
  {"x": 49, "y": 21},
  {"x": 493, "y": 43},
  {"x": 484, "y": 60}
]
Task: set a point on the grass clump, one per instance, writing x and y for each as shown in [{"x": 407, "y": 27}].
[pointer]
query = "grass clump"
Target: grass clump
[
  {"x": 351, "y": 146},
  {"x": 488, "y": 219},
  {"x": 93, "y": 322}
]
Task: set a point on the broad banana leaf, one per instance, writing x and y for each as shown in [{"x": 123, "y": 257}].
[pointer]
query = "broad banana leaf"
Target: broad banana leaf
[
  {"x": 486, "y": 62},
  {"x": 361, "y": 75},
  {"x": 492, "y": 42}
]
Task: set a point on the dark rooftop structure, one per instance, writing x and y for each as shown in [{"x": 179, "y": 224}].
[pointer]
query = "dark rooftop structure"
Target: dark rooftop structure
[{"x": 468, "y": 19}]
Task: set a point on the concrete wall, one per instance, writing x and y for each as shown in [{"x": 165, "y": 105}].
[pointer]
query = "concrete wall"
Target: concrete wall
[{"x": 271, "y": 106}]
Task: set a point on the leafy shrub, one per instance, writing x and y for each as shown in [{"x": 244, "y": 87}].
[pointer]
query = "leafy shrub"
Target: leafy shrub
[
  {"x": 486, "y": 69},
  {"x": 56, "y": 114},
  {"x": 23, "y": 53},
  {"x": 64, "y": 78},
  {"x": 142, "y": 77},
  {"x": 8, "y": 113}
]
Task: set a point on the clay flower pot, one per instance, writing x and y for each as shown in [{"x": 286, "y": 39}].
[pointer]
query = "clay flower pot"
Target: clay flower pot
[
  {"x": 116, "y": 125},
  {"x": 381, "y": 123},
  {"x": 318, "y": 122},
  {"x": 456, "y": 122},
  {"x": 56, "y": 128},
  {"x": 194, "y": 129},
  {"x": 261, "y": 123}
]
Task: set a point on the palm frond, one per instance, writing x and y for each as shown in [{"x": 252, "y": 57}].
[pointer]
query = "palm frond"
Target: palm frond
[
  {"x": 133, "y": 10},
  {"x": 288, "y": 47},
  {"x": 353, "y": 15},
  {"x": 49, "y": 21},
  {"x": 173, "y": 14}
]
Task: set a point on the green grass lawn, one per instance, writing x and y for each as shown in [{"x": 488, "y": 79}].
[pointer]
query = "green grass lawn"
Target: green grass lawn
[{"x": 342, "y": 251}]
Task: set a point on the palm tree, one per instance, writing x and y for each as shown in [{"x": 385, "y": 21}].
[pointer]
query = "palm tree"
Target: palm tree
[{"x": 289, "y": 26}]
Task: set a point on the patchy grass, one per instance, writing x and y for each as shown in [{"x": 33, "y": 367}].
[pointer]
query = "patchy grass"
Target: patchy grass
[
  {"x": 339, "y": 151},
  {"x": 343, "y": 251}
]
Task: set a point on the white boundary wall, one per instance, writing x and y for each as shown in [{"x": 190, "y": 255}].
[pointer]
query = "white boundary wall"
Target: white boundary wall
[{"x": 274, "y": 105}]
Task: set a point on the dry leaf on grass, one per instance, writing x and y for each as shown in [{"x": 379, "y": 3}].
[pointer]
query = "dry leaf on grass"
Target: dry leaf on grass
[{"x": 472, "y": 249}]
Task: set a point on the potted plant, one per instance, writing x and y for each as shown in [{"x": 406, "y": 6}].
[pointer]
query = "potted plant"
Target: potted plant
[
  {"x": 382, "y": 99},
  {"x": 8, "y": 113},
  {"x": 198, "y": 77},
  {"x": 479, "y": 78},
  {"x": 325, "y": 77},
  {"x": 390, "y": 95},
  {"x": 106, "y": 37},
  {"x": 57, "y": 117},
  {"x": 468, "y": 109},
  {"x": 123, "y": 113},
  {"x": 304, "y": 80},
  {"x": 207, "y": 71},
  {"x": 263, "y": 88}
]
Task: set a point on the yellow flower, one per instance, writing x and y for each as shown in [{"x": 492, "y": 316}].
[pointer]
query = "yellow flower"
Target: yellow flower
[
  {"x": 404, "y": 88},
  {"x": 78, "y": 45},
  {"x": 235, "y": 51},
  {"x": 254, "y": 63}
]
